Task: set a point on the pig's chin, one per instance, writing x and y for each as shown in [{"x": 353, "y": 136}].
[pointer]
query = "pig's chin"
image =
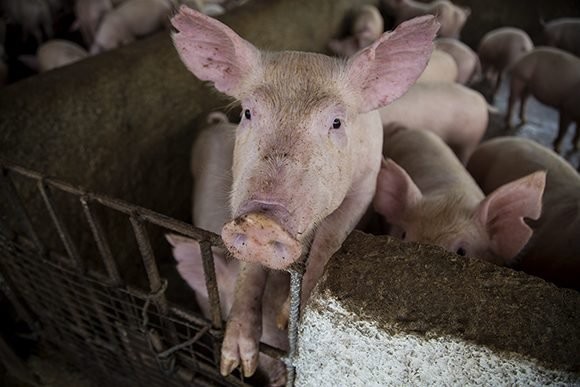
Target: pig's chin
[{"x": 257, "y": 238}]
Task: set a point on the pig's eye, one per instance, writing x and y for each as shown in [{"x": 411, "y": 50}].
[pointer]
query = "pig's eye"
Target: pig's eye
[
  {"x": 247, "y": 114},
  {"x": 336, "y": 123},
  {"x": 461, "y": 251}
]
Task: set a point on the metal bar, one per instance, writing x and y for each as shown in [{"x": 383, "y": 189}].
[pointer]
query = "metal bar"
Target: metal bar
[
  {"x": 20, "y": 210},
  {"x": 293, "y": 319},
  {"x": 101, "y": 241},
  {"x": 60, "y": 227},
  {"x": 211, "y": 284}
]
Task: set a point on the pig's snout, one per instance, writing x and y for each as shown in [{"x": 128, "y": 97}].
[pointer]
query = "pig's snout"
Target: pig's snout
[{"x": 257, "y": 237}]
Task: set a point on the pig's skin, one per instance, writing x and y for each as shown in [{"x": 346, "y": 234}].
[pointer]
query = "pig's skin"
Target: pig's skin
[
  {"x": 57, "y": 53},
  {"x": 553, "y": 77},
  {"x": 469, "y": 68},
  {"x": 451, "y": 17},
  {"x": 367, "y": 27},
  {"x": 130, "y": 20},
  {"x": 553, "y": 252},
  {"x": 499, "y": 49},
  {"x": 564, "y": 34},
  {"x": 440, "y": 68},
  {"x": 307, "y": 150},
  {"x": 427, "y": 194},
  {"x": 454, "y": 112}
]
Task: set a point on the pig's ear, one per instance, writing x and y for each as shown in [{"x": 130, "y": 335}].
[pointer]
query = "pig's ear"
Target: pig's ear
[
  {"x": 396, "y": 193},
  {"x": 503, "y": 211},
  {"x": 187, "y": 253},
  {"x": 385, "y": 70},
  {"x": 212, "y": 51}
]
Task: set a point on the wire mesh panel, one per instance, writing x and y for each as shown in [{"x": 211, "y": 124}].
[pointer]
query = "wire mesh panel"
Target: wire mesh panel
[{"x": 119, "y": 334}]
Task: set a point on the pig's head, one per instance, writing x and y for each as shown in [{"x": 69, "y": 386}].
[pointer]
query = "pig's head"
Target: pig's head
[
  {"x": 292, "y": 159},
  {"x": 493, "y": 230}
]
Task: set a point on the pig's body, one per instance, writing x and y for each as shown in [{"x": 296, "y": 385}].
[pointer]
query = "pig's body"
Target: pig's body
[
  {"x": 57, "y": 53},
  {"x": 564, "y": 34},
  {"x": 89, "y": 14},
  {"x": 367, "y": 27},
  {"x": 553, "y": 252},
  {"x": 454, "y": 112},
  {"x": 499, "y": 49},
  {"x": 441, "y": 68},
  {"x": 553, "y": 77},
  {"x": 451, "y": 17},
  {"x": 466, "y": 59},
  {"x": 427, "y": 194},
  {"x": 130, "y": 20},
  {"x": 211, "y": 168},
  {"x": 307, "y": 151}
]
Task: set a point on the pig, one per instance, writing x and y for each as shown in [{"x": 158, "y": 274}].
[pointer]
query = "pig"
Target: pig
[
  {"x": 428, "y": 196},
  {"x": 57, "y": 53},
  {"x": 553, "y": 77},
  {"x": 553, "y": 252},
  {"x": 441, "y": 68},
  {"x": 34, "y": 17},
  {"x": 468, "y": 65},
  {"x": 89, "y": 14},
  {"x": 367, "y": 27},
  {"x": 130, "y": 20},
  {"x": 498, "y": 50},
  {"x": 306, "y": 154},
  {"x": 211, "y": 169},
  {"x": 564, "y": 34},
  {"x": 451, "y": 17},
  {"x": 452, "y": 111}
]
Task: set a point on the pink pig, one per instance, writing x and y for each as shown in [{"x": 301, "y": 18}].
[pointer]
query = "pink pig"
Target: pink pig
[
  {"x": 554, "y": 250},
  {"x": 307, "y": 150},
  {"x": 553, "y": 77},
  {"x": 440, "y": 68},
  {"x": 564, "y": 34},
  {"x": 428, "y": 196},
  {"x": 468, "y": 65}
]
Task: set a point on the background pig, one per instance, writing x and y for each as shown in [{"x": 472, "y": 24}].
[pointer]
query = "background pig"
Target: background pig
[
  {"x": 440, "y": 68},
  {"x": 451, "y": 17},
  {"x": 426, "y": 193},
  {"x": 554, "y": 250},
  {"x": 455, "y": 113},
  {"x": 57, "y": 53},
  {"x": 307, "y": 150},
  {"x": 468, "y": 66},
  {"x": 553, "y": 77},
  {"x": 130, "y": 20},
  {"x": 367, "y": 27},
  {"x": 34, "y": 16},
  {"x": 89, "y": 14},
  {"x": 564, "y": 34},
  {"x": 499, "y": 49},
  {"x": 211, "y": 168}
]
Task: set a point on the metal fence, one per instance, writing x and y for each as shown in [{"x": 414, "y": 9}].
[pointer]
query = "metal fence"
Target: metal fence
[{"x": 118, "y": 334}]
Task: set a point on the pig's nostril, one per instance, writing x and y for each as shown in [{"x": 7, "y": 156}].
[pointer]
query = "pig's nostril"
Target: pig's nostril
[
  {"x": 240, "y": 240},
  {"x": 280, "y": 249}
]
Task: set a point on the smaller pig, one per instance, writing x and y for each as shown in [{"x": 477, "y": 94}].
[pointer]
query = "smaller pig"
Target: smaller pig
[
  {"x": 553, "y": 252},
  {"x": 451, "y": 17},
  {"x": 367, "y": 27},
  {"x": 564, "y": 34},
  {"x": 130, "y": 20},
  {"x": 57, "y": 53},
  {"x": 428, "y": 196},
  {"x": 440, "y": 68},
  {"x": 552, "y": 76},
  {"x": 89, "y": 14},
  {"x": 499, "y": 49},
  {"x": 469, "y": 67},
  {"x": 452, "y": 111}
]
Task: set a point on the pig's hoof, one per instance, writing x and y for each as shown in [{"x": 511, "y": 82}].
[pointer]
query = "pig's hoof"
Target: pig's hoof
[
  {"x": 283, "y": 315},
  {"x": 240, "y": 346}
]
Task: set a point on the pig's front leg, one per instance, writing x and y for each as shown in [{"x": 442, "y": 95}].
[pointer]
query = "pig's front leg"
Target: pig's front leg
[{"x": 244, "y": 326}]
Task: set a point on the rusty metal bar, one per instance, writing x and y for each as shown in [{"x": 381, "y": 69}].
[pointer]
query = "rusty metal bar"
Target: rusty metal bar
[
  {"x": 211, "y": 284},
  {"x": 60, "y": 227},
  {"x": 102, "y": 242},
  {"x": 16, "y": 204},
  {"x": 293, "y": 320}
]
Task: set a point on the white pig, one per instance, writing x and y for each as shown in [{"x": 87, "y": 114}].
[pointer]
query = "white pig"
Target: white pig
[
  {"x": 468, "y": 65},
  {"x": 129, "y": 21},
  {"x": 367, "y": 27},
  {"x": 211, "y": 168},
  {"x": 57, "y": 53},
  {"x": 553, "y": 77},
  {"x": 307, "y": 151},
  {"x": 564, "y": 34},
  {"x": 441, "y": 68},
  {"x": 454, "y": 112},
  {"x": 427, "y": 194},
  {"x": 554, "y": 250}
]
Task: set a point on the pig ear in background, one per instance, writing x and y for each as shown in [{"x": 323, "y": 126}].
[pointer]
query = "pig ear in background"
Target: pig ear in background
[
  {"x": 187, "y": 253},
  {"x": 212, "y": 51},
  {"x": 396, "y": 192},
  {"x": 503, "y": 211},
  {"x": 385, "y": 70}
]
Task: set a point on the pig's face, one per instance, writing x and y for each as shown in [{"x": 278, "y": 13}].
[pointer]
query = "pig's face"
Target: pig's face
[{"x": 292, "y": 159}]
